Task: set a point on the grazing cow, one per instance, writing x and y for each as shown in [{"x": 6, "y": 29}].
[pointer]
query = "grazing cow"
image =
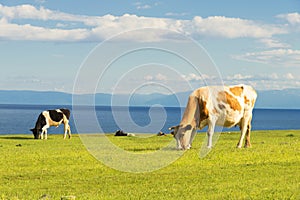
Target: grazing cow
[
  {"x": 225, "y": 106},
  {"x": 51, "y": 118}
]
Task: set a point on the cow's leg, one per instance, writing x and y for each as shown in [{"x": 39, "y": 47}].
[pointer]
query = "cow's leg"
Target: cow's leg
[
  {"x": 66, "y": 129},
  {"x": 247, "y": 142},
  {"x": 179, "y": 146},
  {"x": 192, "y": 138},
  {"x": 65, "y": 122},
  {"x": 210, "y": 133},
  {"x": 69, "y": 131},
  {"x": 44, "y": 131},
  {"x": 244, "y": 129},
  {"x": 46, "y": 136}
]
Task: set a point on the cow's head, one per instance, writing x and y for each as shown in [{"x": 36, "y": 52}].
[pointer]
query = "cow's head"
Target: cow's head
[
  {"x": 36, "y": 133},
  {"x": 182, "y": 134}
]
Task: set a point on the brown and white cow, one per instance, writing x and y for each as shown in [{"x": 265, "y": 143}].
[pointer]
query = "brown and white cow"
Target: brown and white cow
[
  {"x": 51, "y": 118},
  {"x": 225, "y": 106}
]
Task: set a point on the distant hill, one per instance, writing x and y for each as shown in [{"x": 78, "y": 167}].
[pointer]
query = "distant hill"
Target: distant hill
[
  {"x": 34, "y": 97},
  {"x": 287, "y": 98}
]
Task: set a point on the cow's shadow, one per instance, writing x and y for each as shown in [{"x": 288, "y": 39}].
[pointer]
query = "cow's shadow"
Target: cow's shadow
[{"x": 16, "y": 138}]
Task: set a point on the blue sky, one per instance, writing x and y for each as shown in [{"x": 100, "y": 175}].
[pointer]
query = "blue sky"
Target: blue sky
[{"x": 44, "y": 43}]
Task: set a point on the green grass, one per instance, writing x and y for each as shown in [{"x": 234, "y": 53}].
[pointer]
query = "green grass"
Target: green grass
[{"x": 270, "y": 169}]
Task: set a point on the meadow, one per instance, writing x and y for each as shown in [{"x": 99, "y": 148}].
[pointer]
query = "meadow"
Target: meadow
[{"x": 36, "y": 169}]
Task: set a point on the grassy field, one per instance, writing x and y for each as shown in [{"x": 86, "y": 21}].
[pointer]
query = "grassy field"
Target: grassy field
[{"x": 36, "y": 169}]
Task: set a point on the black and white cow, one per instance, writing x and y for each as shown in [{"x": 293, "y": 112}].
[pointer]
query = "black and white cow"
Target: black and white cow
[{"x": 51, "y": 118}]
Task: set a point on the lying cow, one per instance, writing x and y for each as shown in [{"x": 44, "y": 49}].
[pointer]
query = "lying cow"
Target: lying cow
[
  {"x": 225, "y": 106},
  {"x": 51, "y": 118},
  {"x": 160, "y": 133},
  {"x": 122, "y": 133}
]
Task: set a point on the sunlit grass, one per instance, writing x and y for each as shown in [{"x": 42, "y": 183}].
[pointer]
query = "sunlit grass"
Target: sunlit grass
[{"x": 56, "y": 167}]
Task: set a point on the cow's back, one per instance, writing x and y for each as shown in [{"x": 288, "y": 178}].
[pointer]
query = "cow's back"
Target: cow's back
[{"x": 225, "y": 104}]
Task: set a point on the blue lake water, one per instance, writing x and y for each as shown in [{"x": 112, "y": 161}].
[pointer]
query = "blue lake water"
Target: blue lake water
[{"x": 15, "y": 119}]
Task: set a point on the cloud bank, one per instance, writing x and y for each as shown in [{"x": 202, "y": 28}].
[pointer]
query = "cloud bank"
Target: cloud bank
[
  {"x": 280, "y": 57},
  {"x": 98, "y": 28}
]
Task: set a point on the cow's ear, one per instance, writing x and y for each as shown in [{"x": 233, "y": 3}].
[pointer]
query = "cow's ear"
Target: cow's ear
[{"x": 31, "y": 129}]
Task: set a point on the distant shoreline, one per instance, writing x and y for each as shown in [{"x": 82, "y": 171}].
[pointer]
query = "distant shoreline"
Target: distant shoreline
[{"x": 12, "y": 106}]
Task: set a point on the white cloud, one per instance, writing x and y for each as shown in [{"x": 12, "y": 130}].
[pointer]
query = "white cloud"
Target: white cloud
[
  {"x": 27, "y": 12},
  {"x": 40, "y": 1},
  {"x": 195, "y": 77},
  {"x": 221, "y": 26},
  {"x": 265, "y": 81},
  {"x": 148, "y": 78},
  {"x": 289, "y": 76},
  {"x": 272, "y": 43},
  {"x": 157, "y": 77},
  {"x": 172, "y": 14},
  {"x": 239, "y": 77},
  {"x": 60, "y": 25},
  {"x": 279, "y": 57},
  {"x": 29, "y": 32},
  {"x": 191, "y": 77},
  {"x": 161, "y": 77},
  {"x": 292, "y": 18},
  {"x": 30, "y": 12},
  {"x": 273, "y": 76},
  {"x": 142, "y": 6},
  {"x": 101, "y": 27}
]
